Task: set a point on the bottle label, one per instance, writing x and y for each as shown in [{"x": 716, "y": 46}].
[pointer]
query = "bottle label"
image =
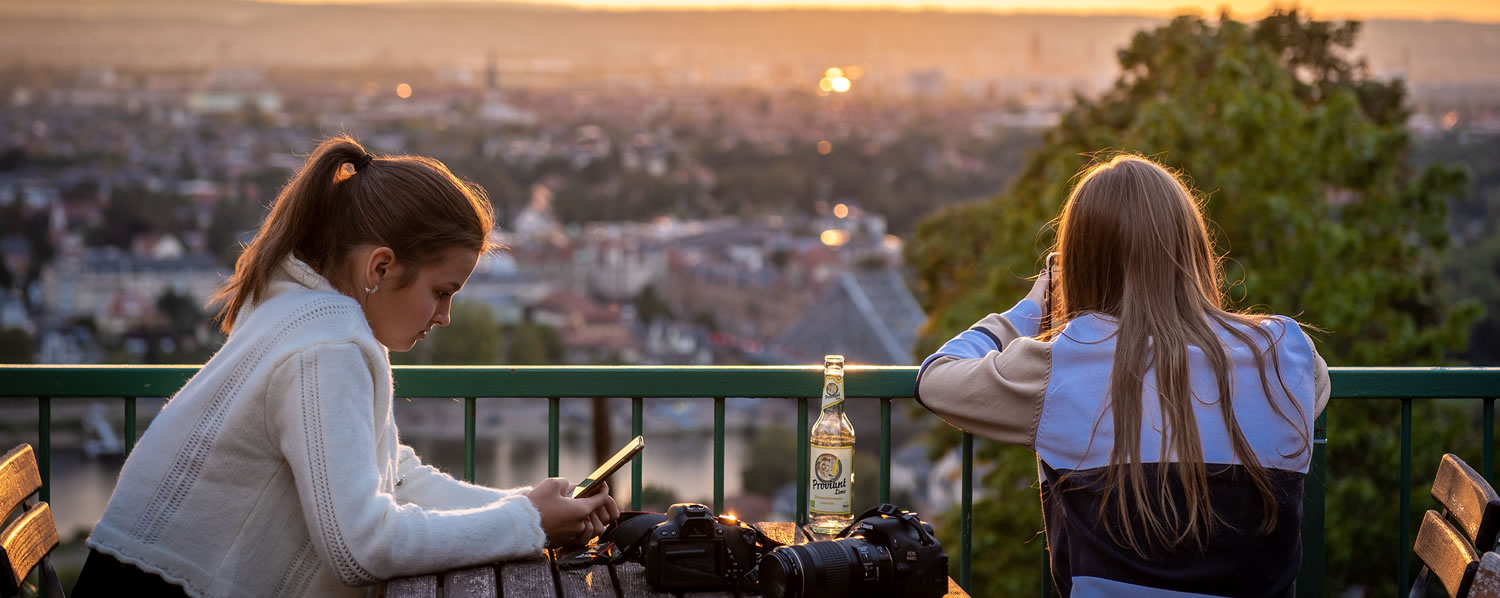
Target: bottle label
[
  {"x": 832, "y": 476},
  {"x": 833, "y": 392}
]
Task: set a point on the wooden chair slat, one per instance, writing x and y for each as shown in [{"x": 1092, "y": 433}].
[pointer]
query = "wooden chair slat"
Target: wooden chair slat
[
  {"x": 474, "y": 582},
  {"x": 1486, "y": 577},
  {"x": 1446, "y": 553},
  {"x": 19, "y": 477},
  {"x": 1470, "y": 500},
  {"x": 528, "y": 578},
  {"x": 421, "y": 586},
  {"x": 27, "y": 539}
]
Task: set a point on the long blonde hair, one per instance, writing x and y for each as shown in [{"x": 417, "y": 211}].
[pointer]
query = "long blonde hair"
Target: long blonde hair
[{"x": 1134, "y": 246}]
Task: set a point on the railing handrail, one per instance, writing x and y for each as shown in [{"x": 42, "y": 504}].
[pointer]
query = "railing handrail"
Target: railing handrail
[
  {"x": 799, "y": 382},
  {"x": 791, "y": 381}
]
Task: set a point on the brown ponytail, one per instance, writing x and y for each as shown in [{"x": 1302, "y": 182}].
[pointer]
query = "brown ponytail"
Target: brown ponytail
[{"x": 411, "y": 204}]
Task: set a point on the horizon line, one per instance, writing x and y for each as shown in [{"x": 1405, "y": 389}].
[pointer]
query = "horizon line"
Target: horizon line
[{"x": 957, "y": 7}]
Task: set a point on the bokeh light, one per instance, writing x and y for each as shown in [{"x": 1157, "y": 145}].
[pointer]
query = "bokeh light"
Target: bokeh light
[
  {"x": 825, "y": 147},
  {"x": 403, "y": 91},
  {"x": 841, "y": 211}
]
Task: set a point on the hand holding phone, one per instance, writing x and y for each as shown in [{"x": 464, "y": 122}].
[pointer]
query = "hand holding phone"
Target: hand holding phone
[
  {"x": 596, "y": 479},
  {"x": 1041, "y": 292}
]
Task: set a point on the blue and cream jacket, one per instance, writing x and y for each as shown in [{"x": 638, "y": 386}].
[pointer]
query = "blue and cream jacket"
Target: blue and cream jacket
[{"x": 998, "y": 382}]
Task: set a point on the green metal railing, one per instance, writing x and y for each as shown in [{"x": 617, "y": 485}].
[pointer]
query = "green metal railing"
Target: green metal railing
[{"x": 800, "y": 383}]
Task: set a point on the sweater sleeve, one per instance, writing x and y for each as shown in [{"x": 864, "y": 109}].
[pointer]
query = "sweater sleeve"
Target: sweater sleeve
[
  {"x": 321, "y": 414},
  {"x": 1321, "y": 387},
  {"x": 990, "y": 379},
  {"x": 425, "y": 485}
]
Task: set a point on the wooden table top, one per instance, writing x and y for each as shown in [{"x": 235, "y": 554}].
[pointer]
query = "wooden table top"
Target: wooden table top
[{"x": 539, "y": 577}]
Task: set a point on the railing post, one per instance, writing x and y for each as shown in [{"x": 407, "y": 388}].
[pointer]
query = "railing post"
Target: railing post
[
  {"x": 469, "y": 439},
  {"x": 554, "y": 406},
  {"x": 44, "y": 445},
  {"x": 718, "y": 455},
  {"x": 129, "y": 425},
  {"x": 802, "y": 456},
  {"x": 1314, "y": 504},
  {"x": 637, "y": 427},
  {"x": 1404, "y": 550},
  {"x": 966, "y": 499},
  {"x": 885, "y": 451}
]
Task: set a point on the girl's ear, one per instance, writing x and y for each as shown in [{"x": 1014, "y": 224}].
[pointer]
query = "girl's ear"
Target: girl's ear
[{"x": 379, "y": 266}]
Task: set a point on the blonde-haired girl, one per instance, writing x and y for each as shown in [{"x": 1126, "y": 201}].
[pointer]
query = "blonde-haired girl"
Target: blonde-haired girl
[{"x": 1172, "y": 434}]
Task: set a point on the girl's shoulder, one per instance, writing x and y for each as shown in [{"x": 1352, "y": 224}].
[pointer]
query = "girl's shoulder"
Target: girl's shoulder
[{"x": 308, "y": 315}]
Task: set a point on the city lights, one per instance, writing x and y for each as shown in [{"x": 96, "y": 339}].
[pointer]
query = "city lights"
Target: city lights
[
  {"x": 403, "y": 91},
  {"x": 834, "y": 80}
]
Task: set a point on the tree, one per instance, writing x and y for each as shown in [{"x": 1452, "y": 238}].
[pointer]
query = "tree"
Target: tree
[
  {"x": 16, "y": 346},
  {"x": 475, "y": 341},
  {"x": 1473, "y": 266},
  {"x": 1301, "y": 156}
]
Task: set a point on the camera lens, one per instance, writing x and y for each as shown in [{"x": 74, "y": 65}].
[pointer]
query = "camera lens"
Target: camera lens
[
  {"x": 777, "y": 569},
  {"x": 826, "y": 568}
]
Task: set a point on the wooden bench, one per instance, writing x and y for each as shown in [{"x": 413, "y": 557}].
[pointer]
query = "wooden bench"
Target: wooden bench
[
  {"x": 24, "y": 543},
  {"x": 1451, "y": 550},
  {"x": 541, "y": 578}
]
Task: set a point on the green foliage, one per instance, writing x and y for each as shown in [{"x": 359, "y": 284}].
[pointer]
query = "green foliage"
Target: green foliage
[
  {"x": 1301, "y": 158},
  {"x": 773, "y": 464},
  {"x": 16, "y": 346},
  {"x": 1474, "y": 263},
  {"x": 476, "y": 337}
]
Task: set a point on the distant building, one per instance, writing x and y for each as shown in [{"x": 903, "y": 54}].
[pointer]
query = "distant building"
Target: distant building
[
  {"x": 119, "y": 290},
  {"x": 590, "y": 332},
  {"x": 868, "y": 316}
]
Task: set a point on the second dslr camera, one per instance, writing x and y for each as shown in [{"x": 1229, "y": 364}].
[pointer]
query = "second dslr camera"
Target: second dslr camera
[{"x": 886, "y": 552}]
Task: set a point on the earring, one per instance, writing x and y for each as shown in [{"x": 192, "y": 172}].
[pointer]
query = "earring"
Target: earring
[{"x": 371, "y": 290}]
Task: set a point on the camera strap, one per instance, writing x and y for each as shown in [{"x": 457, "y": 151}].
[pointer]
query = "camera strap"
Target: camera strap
[
  {"x": 623, "y": 539},
  {"x": 620, "y": 542}
]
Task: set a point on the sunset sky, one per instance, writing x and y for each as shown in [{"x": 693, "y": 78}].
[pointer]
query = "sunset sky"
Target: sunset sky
[{"x": 1465, "y": 10}]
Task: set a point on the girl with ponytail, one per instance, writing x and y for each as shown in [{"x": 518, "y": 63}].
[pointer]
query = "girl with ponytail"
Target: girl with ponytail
[
  {"x": 277, "y": 470},
  {"x": 1172, "y": 433}
]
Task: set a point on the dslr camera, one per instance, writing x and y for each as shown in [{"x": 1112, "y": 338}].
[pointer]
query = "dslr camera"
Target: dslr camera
[
  {"x": 885, "y": 552},
  {"x": 693, "y": 550}
]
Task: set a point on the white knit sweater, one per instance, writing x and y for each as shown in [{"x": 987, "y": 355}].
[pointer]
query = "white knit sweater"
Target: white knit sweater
[{"x": 276, "y": 471}]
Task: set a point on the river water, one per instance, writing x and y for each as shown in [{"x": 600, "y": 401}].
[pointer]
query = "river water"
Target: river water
[{"x": 511, "y": 448}]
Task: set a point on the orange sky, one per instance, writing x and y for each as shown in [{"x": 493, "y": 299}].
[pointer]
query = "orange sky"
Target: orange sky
[{"x": 1464, "y": 10}]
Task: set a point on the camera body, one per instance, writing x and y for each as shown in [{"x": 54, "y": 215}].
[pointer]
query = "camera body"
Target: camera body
[
  {"x": 693, "y": 550},
  {"x": 885, "y": 552}
]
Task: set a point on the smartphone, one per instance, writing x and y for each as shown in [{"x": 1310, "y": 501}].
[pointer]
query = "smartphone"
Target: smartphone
[
  {"x": 591, "y": 484},
  {"x": 1047, "y": 299}
]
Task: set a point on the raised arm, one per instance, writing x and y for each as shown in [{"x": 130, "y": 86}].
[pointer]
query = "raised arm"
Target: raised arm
[{"x": 990, "y": 379}]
